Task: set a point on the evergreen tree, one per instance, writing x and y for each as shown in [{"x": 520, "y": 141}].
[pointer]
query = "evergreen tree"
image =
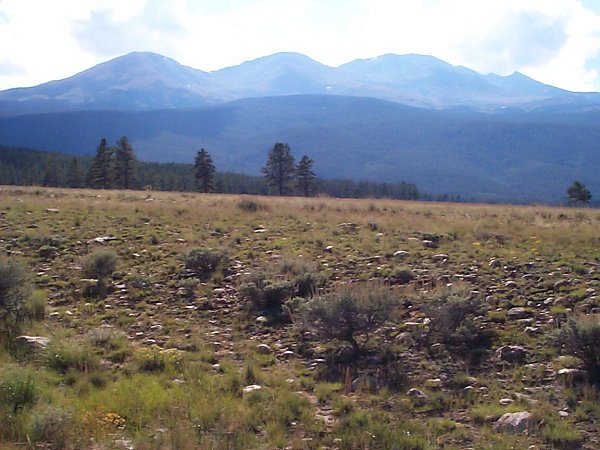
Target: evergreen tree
[
  {"x": 305, "y": 177},
  {"x": 279, "y": 170},
  {"x": 578, "y": 194},
  {"x": 204, "y": 171},
  {"x": 51, "y": 172},
  {"x": 99, "y": 175},
  {"x": 74, "y": 174},
  {"x": 124, "y": 165}
]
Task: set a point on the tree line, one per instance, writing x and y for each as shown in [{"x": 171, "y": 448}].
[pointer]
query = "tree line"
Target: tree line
[{"x": 116, "y": 167}]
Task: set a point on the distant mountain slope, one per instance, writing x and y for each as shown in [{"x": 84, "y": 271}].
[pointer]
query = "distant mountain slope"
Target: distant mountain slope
[
  {"x": 508, "y": 156},
  {"x": 146, "y": 81}
]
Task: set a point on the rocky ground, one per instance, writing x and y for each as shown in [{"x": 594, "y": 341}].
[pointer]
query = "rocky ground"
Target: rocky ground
[{"x": 533, "y": 268}]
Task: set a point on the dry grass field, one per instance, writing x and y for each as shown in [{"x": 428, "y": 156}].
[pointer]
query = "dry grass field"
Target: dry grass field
[{"x": 158, "y": 320}]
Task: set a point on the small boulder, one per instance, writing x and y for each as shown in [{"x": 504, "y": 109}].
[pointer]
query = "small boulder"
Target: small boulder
[
  {"x": 264, "y": 349},
  {"x": 401, "y": 254},
  {"x": 365, "y": 383},
  {"x": 517, "y": 313},
  {"x": 33, "y": 343},
  {"x": 251, "y": 388},
  {"x": 511, "y": 353},
  {"x": 515, "y": 423},
  {"x": 419, "y": 398}
]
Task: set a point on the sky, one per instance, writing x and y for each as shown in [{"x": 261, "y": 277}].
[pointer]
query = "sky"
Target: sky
[{"x": 553, "y": 41}]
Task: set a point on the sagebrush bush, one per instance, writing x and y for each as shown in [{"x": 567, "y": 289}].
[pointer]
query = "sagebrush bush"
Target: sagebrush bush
[
  {"x": 350, "y": 310},
  {"x": 580, "y": 337},
  {"x": 204, "y": 261},
  {"x": 15, "y": 291},
  {"x": 50, "y": 427},
  {"x": 266, "y": 295},
  {"x": 452, "y": 313},
  {"x": 99, "y": 265}
]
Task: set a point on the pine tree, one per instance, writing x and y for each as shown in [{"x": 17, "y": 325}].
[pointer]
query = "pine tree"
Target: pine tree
[
  {"x": 204, "y": 171},
  {"x": 578, "y": 194},
  {"x": 124, "y": 165},
  {"x": 305, "y": 177},
  {"x": 51, "y": 172},
  {"x": 279, "y": 170},
  {"x": 99, "y": 175},
  {"x": 74, "y": 174}
]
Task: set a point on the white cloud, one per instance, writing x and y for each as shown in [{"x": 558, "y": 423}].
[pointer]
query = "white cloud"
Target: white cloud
[{"x": 555, "y": 41}]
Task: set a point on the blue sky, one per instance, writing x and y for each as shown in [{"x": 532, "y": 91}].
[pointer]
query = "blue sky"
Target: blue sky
[{"x": 554, "y": 41}]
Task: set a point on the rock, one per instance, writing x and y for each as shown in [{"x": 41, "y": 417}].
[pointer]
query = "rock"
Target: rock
[
  {"x": 33, "y": 342},
  {"x": 365, "y": 383},
  {"x": 401, "y": 254},
  {"x": 329, "y": 249},
  {"x": 570, "y": 377},
  {"x": 440, "y": 257},
  {"x": 511, "y": 353},
  {"x": 251, "y": 388},
  {"x": 261, "y": 319},
  {"x": 429, "y": 244},
  {"x": 433, "y": 383},
  {"x": 510, "y": 284},
  {"x": 517, "y": 313},
  {"x": 515, "y": 423},
  {"x": 264, "y": 349},
  {"x": 419, "y": 398},
  {"x": 506, "y": 401},
  {"x": 495, "y": 263}
]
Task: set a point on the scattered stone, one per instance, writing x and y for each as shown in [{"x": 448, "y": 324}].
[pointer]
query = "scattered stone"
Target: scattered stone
[
  {"x": 419, "y": 398},
  {"x": 52, "y": 210},
  {"x": 261, "y": 319},
  {"x": 495, "y": 263},
  {"x": 251, "y": 388},
  {"x": 264, "y": 349},
  {"x": 517, "y": 313},
  {"x": 511, "y": 353},
  {"x": 429, "y": 244},
  {"x": 365, "y": 383},
  {"x": 510, "y": 284},
  {"x": 570, "y": 377},
  {"x": 433, "y": 383},
  {"x": 401, "y": 254},
  {"x": 329, "y": 249},
  {"x": 506, "y": 401},
  {"x": 33, "y": 342},
  {"x": 515, "y": 423},
  {"x": 440, "y": 257}
]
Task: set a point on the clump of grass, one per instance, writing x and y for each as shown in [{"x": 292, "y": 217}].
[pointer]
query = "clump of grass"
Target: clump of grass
[
  {"x": 250, "y": 205},
  {"x": 18, "y": 388},
  {"x": 15, "y": 291},
  {"x": 69, "y": 355},
  {"x": 36, "y": 305},
  {"x": 99, "y": 265}
]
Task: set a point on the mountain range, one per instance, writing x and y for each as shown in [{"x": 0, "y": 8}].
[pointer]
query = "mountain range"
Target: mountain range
[{"x": 395, "y": 117}]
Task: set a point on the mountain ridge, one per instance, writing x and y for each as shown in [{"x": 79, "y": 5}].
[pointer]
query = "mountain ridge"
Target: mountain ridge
[{"x": 146, "y": 81}]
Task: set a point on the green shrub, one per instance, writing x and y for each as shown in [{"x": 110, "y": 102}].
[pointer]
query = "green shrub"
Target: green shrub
[
  {"x": 265, "y": 295},
  {"x": 50, "y": 427},
  {"x": 452, "y": 316},
  {"x": 350, "y": 310},
  {"x": 580, "y": 337},
  {"x": 250, "y": 205},
  {"x": 15, "y": 291},
  {"x": 401, "y": 275},
  {"x": 99, "y": 264},
  {"x": 17, "y": 388},
  {"x": 561, "y": 434},
  {"x": 204, "y": 261},
  {"x": 64, "y": 356}
]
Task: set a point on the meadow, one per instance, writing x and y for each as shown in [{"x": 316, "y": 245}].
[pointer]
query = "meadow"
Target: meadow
[{"x": 163, "y": 320}]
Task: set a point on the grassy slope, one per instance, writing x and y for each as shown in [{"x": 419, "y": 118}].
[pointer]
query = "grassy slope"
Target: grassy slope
[{"x": 141, "y": 363}]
